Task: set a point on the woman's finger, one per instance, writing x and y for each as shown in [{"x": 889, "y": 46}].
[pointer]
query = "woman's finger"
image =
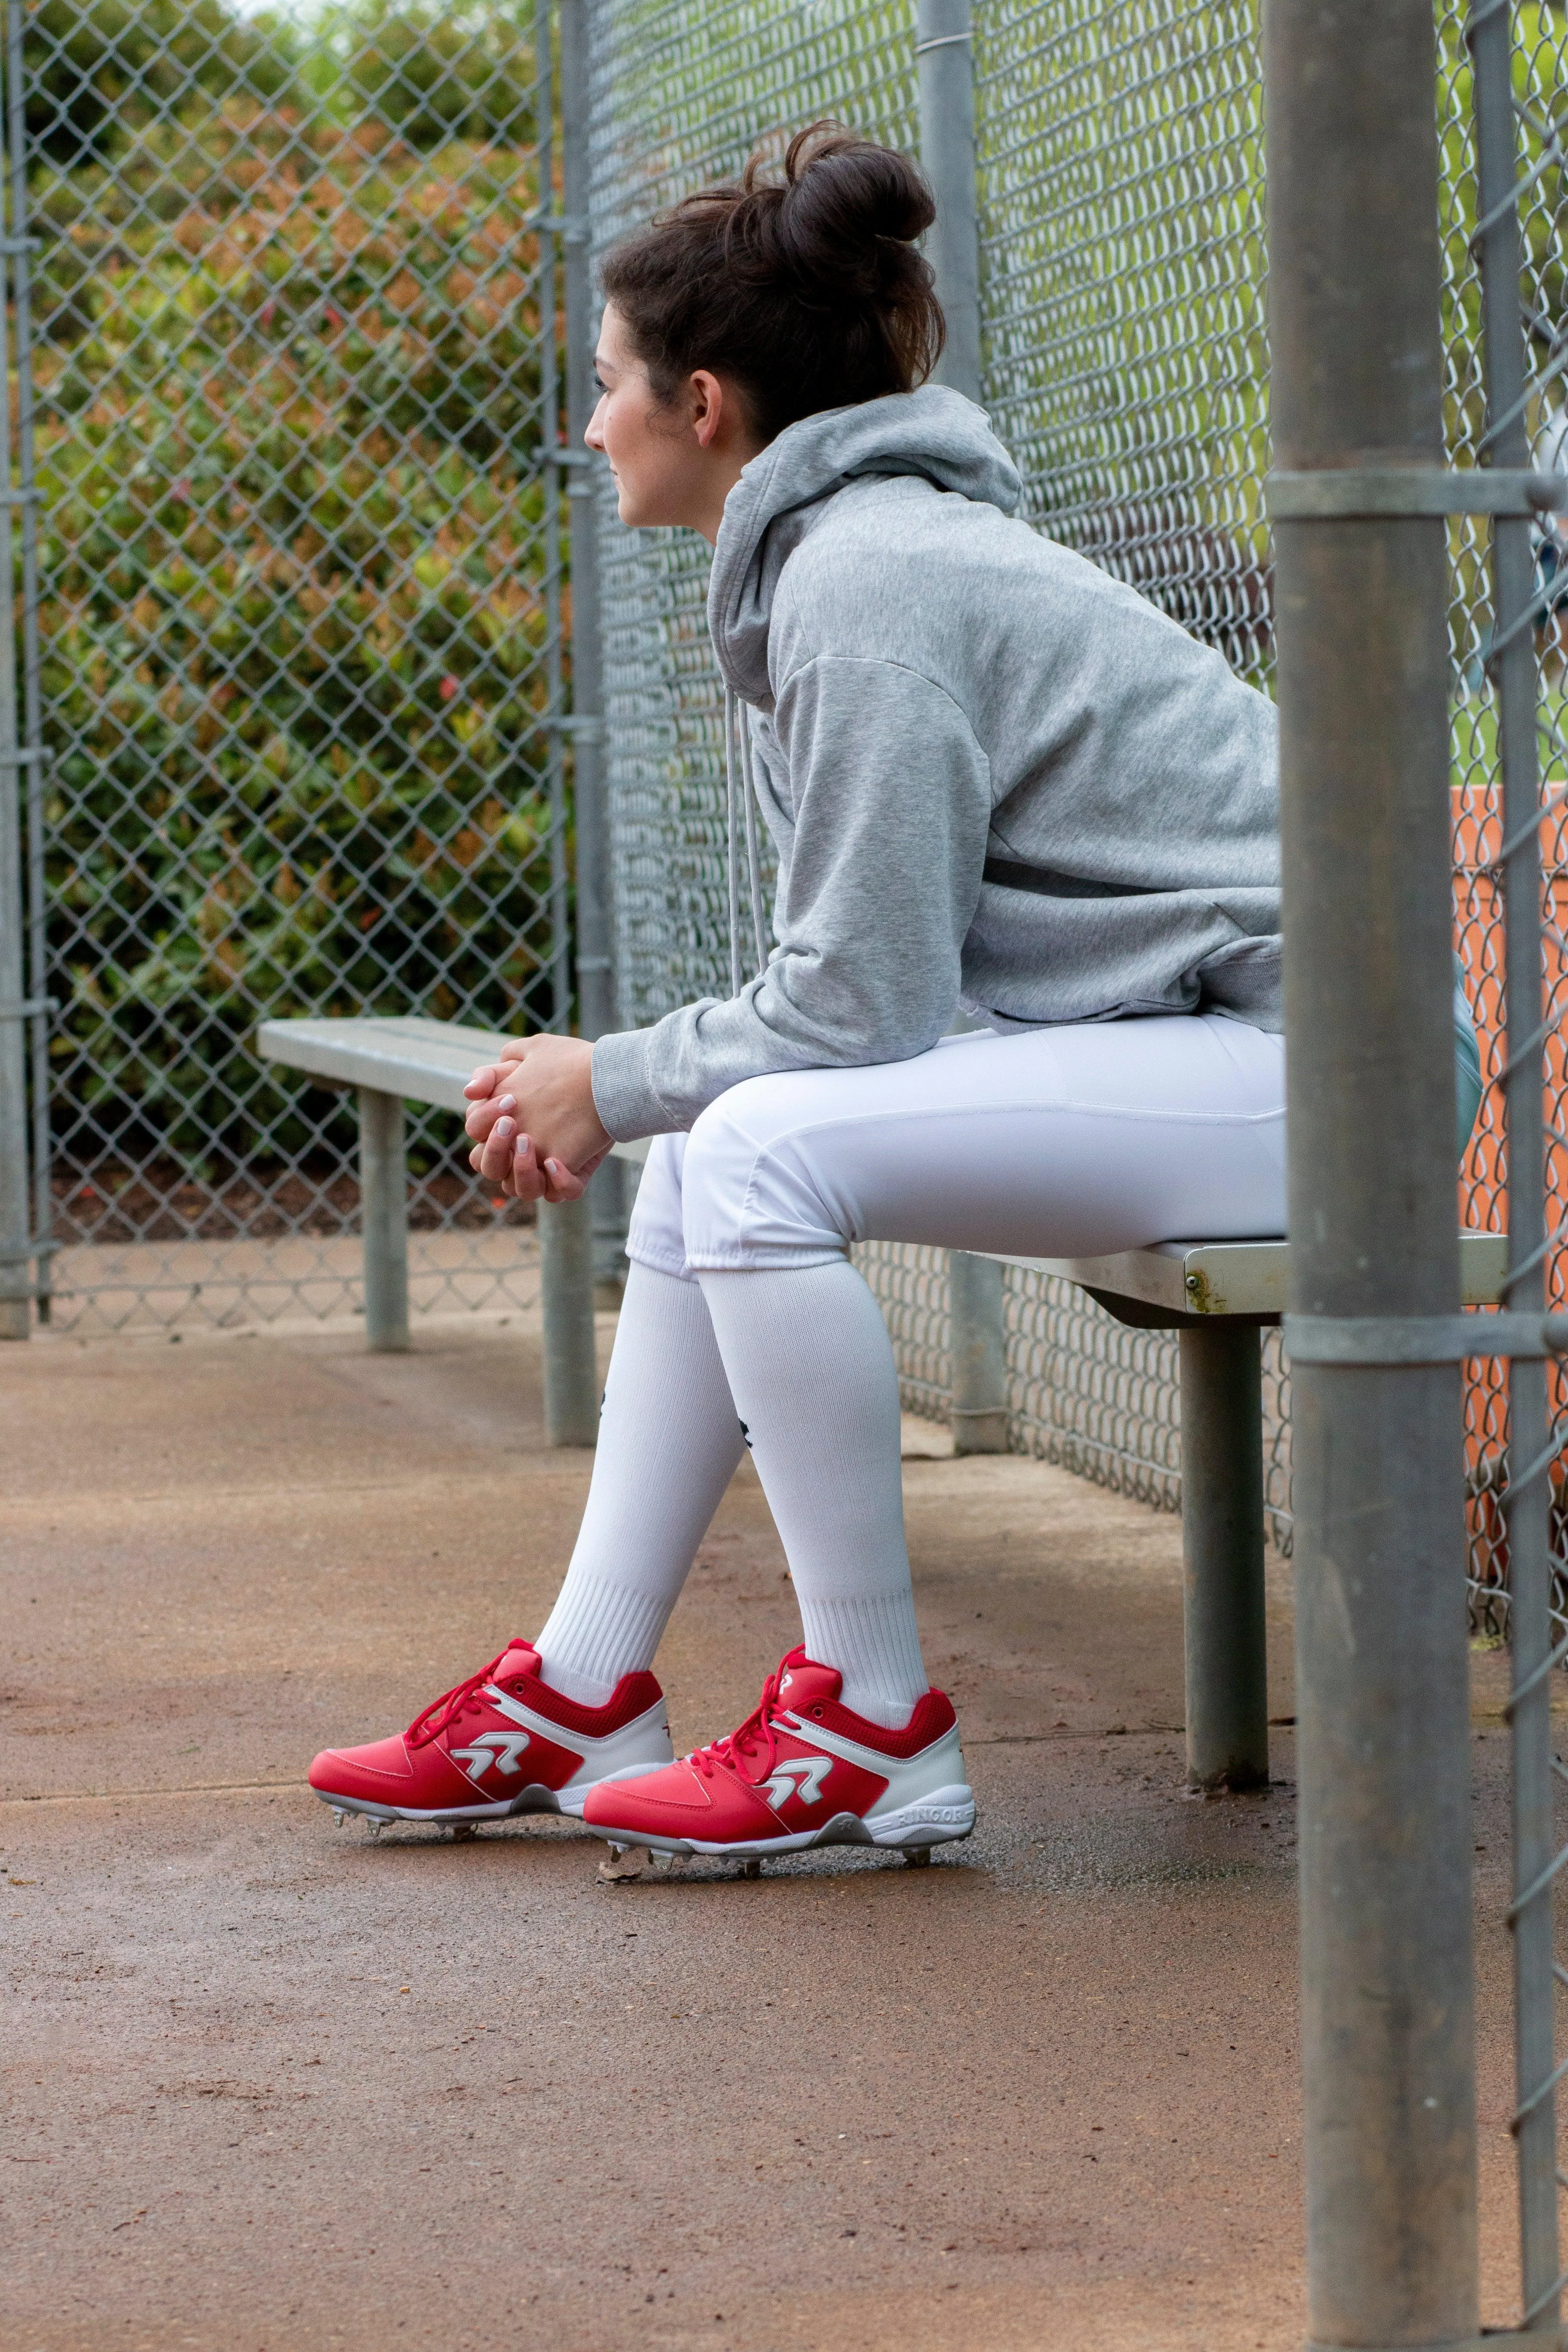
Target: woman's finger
[
  {"x": 480, "y": 1116},
  {"x": 495, "y": 1153},
  {"x": 563, "y": 1185},
  {"x": 528, "y": 1181},
  {"x": 482, "y": 1083}
]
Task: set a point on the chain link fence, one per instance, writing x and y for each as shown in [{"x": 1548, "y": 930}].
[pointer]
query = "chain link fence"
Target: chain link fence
[
  {"x": 1540, "y": 85},
  {"x": 296, "y": 634},
  {"x": 1121, "y": 211},
  {"x": 287, "y": 393},
  {"x": 1120, "y": 195}
]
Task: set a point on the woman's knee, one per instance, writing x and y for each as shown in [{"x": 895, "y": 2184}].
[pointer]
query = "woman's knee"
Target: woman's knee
[
  {"x": 752, "y": 1194},
  {"x": 654, "y": 1236}
]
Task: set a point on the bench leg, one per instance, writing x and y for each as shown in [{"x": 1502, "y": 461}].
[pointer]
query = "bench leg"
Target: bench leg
[
  {"x": 1222, "y": 1545},
  {"x": 979, "y": 1376},
  {"x": 384, "y": 1219},
  {"x": 566, "y": 1281}
]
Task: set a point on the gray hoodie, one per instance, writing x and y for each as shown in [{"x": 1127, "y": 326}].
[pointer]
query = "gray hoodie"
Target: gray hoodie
[{"x": 996, "y": 779}]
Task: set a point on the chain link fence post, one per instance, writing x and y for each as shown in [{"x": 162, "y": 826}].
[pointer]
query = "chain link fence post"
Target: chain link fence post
[
  {"x": 943, "y": 47},
  {"x": 16, "y": 777},
  {"x": 597, "y": 1009},
  {"x": 1382, "y": 1695},
  {"x": 565, "y": 1231},
  {"x": 16, "y": 1205}
]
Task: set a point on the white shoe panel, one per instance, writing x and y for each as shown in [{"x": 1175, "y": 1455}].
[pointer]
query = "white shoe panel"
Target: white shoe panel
[
  {"x": 640, "y": 1746},
  {"x": 909, "y": 1777},
  {"x": 944, "y": 1813},
  {"x": 912, "y": 1780}
]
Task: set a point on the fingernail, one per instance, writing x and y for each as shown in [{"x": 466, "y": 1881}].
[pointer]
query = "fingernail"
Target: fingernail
[
  {"x": 502, "y": 1130},
  {"x": 509, "y": 1102}
]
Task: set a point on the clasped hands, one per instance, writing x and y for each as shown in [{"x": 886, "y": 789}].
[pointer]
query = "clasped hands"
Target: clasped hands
[{"x": 535, "y": 1131}]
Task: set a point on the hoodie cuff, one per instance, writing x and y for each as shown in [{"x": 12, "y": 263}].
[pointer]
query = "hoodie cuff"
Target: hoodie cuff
[{"x": 623, "y": 1094}]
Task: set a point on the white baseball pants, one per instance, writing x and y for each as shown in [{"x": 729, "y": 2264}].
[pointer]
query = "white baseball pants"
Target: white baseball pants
[{"x": 1067, "y": 1143}]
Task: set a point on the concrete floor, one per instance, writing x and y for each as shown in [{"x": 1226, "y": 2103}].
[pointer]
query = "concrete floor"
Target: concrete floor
[{"x": 271, "y": 2088}]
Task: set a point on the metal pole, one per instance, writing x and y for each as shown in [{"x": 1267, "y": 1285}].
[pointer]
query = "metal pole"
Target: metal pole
[
  {"x": 597, "y": 1010},
  {"x": 32, "y": 697},
  {"x": 384, "y": 1219},
  {"x": 549, "y": 410},
  {"x": 1222, "y": 1547},
  {"x": 566, "y": 1253},
  {"x": 944, "y": 62},
  {"x": 566, "y": 1277},
  {"x": 16, "y": 1204},
  {"x": 1382, "y": 1691},
  {"x": 978, "y": 1380},
  {"x": 1507, "y": 443}
]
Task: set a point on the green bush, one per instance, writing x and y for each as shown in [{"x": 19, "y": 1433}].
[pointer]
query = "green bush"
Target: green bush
[{"x": 293, "y": 555}]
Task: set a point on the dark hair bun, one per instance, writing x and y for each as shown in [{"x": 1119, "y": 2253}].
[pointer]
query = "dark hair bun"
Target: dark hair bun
[
  {"x": 843, "y": 209},
  {"x": 805, "y": 288}
]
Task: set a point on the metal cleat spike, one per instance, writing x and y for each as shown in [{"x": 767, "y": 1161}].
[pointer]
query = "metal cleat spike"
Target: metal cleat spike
[
  {"x": 624, "y": 1862},
  {"x": 338, "y": 1817},
  {"x": 918, "y": 1856},
  {"x": 373, "y": 1825},
  {"x": 462, "y": 1831},
  {"x": 753, "y": 1866}
]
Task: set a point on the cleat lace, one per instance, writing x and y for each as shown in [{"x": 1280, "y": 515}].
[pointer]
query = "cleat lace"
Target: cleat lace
[
  {"x": 738, "y": 1748},
  {"x": 452, "y": 1704}
]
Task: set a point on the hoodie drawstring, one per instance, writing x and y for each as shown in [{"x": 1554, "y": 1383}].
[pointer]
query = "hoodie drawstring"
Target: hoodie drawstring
[
  {"x": 744, "y": 787},
  {"x": 753, "y": 853},
  {"x": 732, "y": 845}
]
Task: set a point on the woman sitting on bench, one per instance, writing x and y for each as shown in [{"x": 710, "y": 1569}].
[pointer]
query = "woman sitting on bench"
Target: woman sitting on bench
[{"x": 996, "y": 779}]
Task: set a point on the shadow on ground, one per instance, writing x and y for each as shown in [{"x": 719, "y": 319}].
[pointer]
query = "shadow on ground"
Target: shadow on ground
[{"x": 275, "y": 2088}]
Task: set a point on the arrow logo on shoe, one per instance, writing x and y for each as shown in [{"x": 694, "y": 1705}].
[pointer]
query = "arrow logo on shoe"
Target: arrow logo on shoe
[
  {"x": 502, "y": 1747},
  {"x": 801, "y": 1775}
]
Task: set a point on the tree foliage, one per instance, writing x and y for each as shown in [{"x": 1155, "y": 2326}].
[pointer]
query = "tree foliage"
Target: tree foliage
[{"x": 293, "y": 551}]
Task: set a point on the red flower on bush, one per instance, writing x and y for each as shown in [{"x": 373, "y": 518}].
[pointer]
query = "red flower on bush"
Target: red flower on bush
[{"x": 449, "y": 688}]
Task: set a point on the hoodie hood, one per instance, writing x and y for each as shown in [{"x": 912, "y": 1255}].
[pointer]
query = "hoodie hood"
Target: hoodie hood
[{"x": 933, "y": 433}]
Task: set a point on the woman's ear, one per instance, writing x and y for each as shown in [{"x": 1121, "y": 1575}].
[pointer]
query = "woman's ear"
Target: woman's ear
[{"x": 708, "y": 407}]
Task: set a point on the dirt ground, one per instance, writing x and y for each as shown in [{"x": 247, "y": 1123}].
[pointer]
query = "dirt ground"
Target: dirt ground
[{"x": 272, "y": 2087}]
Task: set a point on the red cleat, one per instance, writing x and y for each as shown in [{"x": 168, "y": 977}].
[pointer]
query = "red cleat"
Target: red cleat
[
  {"x": 503, "y": 1742},
  {"x": 802, "y": 1771}
]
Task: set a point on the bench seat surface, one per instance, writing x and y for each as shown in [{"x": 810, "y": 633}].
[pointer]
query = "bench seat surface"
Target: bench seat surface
[{"x": 431, "y": 1062}]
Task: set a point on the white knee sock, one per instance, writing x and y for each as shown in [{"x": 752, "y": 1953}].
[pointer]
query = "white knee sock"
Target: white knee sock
[
  {"x": 668, "y": 1443},
  {"x": 811, "y": 1372}
]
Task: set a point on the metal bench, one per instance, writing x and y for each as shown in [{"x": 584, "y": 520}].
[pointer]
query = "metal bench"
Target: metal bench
[
  {"x": 392, "y": 1061},
  {"x": 1218, "y": 1296}
]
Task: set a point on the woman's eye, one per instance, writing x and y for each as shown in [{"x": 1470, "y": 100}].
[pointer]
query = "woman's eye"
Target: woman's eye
[{"x": 599, "y": 383}]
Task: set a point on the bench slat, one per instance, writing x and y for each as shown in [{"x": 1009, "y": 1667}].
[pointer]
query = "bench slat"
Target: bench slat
[
  {"x": 1240, "y": 1277},
  {"x": 423, "y": 1060}
]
